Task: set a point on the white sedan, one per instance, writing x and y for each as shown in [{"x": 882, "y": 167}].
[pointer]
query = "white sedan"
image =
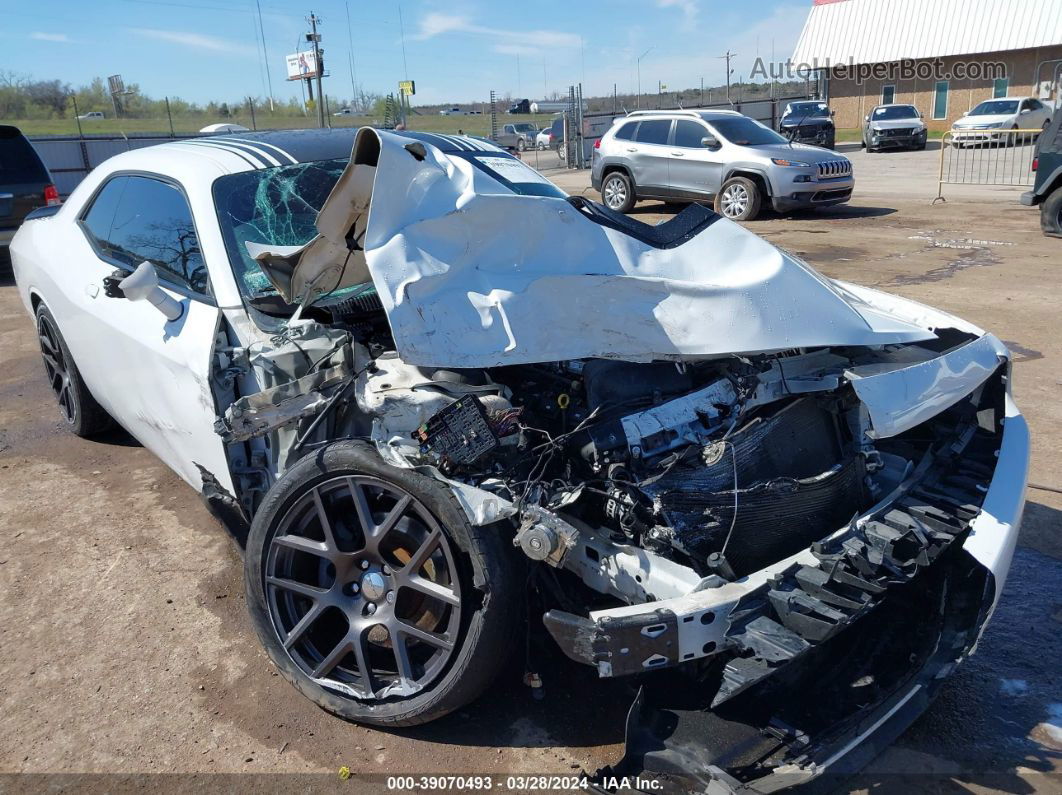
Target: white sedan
[
  {"x": 991, "y": 120},
  {"x": 544, "y": 138},
  {"x": 485, "y": 397}
]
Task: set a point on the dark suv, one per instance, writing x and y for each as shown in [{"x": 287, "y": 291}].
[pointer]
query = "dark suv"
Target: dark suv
[
  {"x": 808, "y": 123},
  {"x": 1047, "y": 189},
  {"x": 25, "y": 183}
]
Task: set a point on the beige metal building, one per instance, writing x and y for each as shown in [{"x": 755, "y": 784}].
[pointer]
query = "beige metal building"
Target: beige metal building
[{"x": 943, "y": 56}]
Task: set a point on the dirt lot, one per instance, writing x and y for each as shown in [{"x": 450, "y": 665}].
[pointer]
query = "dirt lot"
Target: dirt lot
[{"x": 125, "y": 648}]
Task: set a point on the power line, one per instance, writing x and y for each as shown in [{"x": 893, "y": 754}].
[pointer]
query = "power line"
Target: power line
[
  {"x": 265, "y": 54},
  {"x": 402, "y": 33},
  {"x": 350, "y": 57}
]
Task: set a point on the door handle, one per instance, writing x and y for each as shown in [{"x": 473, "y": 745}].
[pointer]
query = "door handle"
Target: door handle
[
  {"x": 679, "y": 154},
  {"x": 632, "y": 149}
]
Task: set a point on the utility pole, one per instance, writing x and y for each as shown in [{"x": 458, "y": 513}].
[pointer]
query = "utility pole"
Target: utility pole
[
  {"x": 728, "y": 56},
  {"x": 640, "y": 76},
  {"x": 315, "y": 39},
  {"x": 702, "y": 92}
]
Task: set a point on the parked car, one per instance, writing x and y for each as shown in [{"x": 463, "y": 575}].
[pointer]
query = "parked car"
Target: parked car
[
  {"x": 788, "y": 504},
  {"x": 91, "y": 116},
  {"x": 808, "y": 123},
  {"x": 720, "y": 155},
  {"x": 345, "y": 112},
  {"x": 25, "y": 183},
  {"x": 990, "y": 121},
  {"x": 1047, "y": 188},
  {"x": 519, "y": 136},
  {"x": 894, "y": 126},
  {"x": 543, "y": 138},
  {"x": 454, "y": 111}
]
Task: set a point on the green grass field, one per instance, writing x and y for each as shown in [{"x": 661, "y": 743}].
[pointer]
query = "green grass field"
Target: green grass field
[{"x": 471, "y": 125}]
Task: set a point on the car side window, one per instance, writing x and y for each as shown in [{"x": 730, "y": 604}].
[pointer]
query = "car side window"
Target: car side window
[
  {"x": 654, "y": 131},
  {"x": 626, "y": 132},
  {"x": 1034, "y": 104},
  {"x": 688, "y": 134},
  {"x": 97, "y": 221},
  {"x": 151, "y": 221}
]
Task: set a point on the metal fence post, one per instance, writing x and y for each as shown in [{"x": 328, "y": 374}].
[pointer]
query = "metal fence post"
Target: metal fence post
[
  {"x": 254, "y": 123},
  {"x": 170, "y": 117},
  {"x": 73, "y": 98}
]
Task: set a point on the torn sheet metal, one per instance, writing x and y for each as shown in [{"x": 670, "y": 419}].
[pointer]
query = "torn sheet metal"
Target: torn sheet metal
[
  {"x": 901, "y": 398},
  {"x": 472, "y": 274},
  {"x": 265, "y": 411}
]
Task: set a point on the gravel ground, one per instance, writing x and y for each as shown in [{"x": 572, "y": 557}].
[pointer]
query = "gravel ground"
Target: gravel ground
[{"x": 125, "y": 648}]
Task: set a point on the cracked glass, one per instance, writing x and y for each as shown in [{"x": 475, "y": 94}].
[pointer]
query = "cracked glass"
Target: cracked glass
[{"x": 274, "y": 206}]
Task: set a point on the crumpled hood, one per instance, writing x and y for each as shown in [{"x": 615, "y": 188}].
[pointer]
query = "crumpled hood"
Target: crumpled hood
[
  {"x": 893, "y": 124},
  {"x": 471, "y": 274}
]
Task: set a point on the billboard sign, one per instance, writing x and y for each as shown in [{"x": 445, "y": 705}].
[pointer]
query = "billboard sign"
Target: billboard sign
[
  {"x": 407, "y": 87},
  {"x": 302, "y": 65}
]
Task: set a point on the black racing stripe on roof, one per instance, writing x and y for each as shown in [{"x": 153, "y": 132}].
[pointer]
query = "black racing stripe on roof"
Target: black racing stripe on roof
[
  {"x": 435, "y": 139},
  {"x": 265, "y": 145},
  {"x": 304, "y": 146},
  {"x": 264, "y": 156},
  {"x": 197, "y": 144}
]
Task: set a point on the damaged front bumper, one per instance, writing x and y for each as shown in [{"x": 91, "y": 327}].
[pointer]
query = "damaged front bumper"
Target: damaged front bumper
[{"x": 813, "y": 684}]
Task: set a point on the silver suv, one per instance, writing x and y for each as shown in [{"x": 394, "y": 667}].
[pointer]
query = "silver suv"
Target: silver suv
[{"x": 714, "y": 154}]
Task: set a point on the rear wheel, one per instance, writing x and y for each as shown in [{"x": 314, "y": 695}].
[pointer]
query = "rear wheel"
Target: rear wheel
[
  {"x": 80, "y": 411},
  {"x": 520, "y": 145},
  {"x": 1051, "y": 213},
  {"x": 372, "y": 593},
  {"x": 739, "y": 199},
  {"x": 617, "y": 192}
]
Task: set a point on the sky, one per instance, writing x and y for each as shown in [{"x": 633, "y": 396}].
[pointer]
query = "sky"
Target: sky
[{"x": 456, "y": 51}]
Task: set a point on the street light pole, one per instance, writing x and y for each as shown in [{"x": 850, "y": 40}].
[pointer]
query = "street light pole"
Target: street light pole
[{"x": 640, "y": 76}]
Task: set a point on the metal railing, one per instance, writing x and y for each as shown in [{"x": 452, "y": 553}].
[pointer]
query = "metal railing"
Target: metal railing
[{"x": 986, "y": 157}]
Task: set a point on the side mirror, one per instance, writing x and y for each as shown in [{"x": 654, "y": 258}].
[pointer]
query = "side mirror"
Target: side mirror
[
  {"x": 866, "y": 118},
  {"x": 710, "y": 142},
  {"x": 966, "y": 113},
  {"x": 143, "y": 285},
  {"x": 833, "y": 113}
]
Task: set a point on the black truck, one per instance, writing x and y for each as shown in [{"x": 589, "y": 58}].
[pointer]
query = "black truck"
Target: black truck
[{"x": 1047, "y": 188}]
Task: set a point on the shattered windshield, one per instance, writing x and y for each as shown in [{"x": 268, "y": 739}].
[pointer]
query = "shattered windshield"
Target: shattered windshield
[
  {"x": 893, "y": 112},
  {"x": 275, "y": 206},
  {"x": 807, "y": 109}
]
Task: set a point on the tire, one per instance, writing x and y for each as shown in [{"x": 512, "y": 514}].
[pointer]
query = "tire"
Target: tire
[
  {"x": 617, "y": 192},
  {"x": 82, "y": 415},
  {"x": 1051, "y": 213},
  {"x": 476, "y": 566},
  {"x": 739, "y": 199},
  {"x": 520, "y": 145}
]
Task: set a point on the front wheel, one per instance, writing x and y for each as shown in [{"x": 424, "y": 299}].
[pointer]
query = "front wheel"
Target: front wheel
[
  {"x": 617, "y": 192},
  {"x": 739, "y": 199},
  {"x": 520, "y": 145},
  {"x": 372, "y": 593}
]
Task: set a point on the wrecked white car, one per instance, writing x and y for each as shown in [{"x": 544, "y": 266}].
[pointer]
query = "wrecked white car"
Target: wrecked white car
[{"x": 419, "y": 380}]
